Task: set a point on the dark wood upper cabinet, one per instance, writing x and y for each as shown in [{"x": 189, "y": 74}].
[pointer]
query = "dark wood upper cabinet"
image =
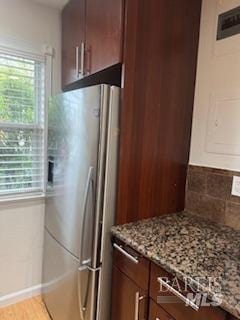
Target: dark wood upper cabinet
[
  {"x": 158, "y": 51},
  {"x": 104, "y": 33},
  {"x": 73, "y": 35},
  {"x": 92, "y": 35},
  {"x": 160, "y": 57}
]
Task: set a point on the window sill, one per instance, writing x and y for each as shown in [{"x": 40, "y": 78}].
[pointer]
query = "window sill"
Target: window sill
[{"x": 22, "y": 197}]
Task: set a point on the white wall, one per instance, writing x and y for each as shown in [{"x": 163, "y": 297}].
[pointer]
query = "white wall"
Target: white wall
[
  {"x": 25, "y": 25},
  {"x": 21, "y": 245},
  {"x": 216, "y": 120}
]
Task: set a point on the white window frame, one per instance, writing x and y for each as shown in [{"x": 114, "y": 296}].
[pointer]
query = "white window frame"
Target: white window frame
[{"x": 46, "y": 58}]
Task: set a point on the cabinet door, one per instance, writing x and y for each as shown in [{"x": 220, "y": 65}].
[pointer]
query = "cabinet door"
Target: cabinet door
[
  {"x": 104, "y": 32},
  {"x": 128, "y": 300},
  {"x": 173, "y": 305},
  {"x": 73, "y": 35},
  {"x": 157, "y": 313},
  {"x": 230, "y": 317},
  {"x": 160, "y": 55}
]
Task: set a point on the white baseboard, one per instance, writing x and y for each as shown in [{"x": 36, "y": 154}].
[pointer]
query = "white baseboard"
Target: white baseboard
[{"x": 20, "y": 296}]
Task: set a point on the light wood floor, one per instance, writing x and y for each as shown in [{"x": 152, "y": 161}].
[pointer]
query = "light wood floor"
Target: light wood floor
[{"x": 32, "y": 309}]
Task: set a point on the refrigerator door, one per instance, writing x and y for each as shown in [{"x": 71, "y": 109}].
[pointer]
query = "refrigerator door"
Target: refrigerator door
[
  {"x": 60, "y": 289},
  {"x": 76, "y": 153},
  {"x": 73, "y": 149},
  {"x": 108, "y": 210},
  {"x": 69, "y": 292}
]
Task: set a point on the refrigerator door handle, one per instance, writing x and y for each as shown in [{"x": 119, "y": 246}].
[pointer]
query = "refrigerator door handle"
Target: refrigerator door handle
[
  {"x": 90, "y": 182},
  {"x": 85, "y": 265},
  {"x": 87, "y": 298}
]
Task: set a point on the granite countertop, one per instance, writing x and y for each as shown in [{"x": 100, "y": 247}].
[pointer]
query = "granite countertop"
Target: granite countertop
[{"x": 189, "y": 246}]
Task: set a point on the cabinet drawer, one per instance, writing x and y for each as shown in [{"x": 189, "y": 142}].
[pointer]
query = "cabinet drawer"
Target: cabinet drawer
[
  {"x": 131, "y": 264},
  {"x": 173, "y": 303},
  {"x": 157, "y": 272},
  {"x": 158, "y": 313}
]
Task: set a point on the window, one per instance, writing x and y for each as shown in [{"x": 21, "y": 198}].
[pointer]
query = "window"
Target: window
[{"x": 21, "y": 125}]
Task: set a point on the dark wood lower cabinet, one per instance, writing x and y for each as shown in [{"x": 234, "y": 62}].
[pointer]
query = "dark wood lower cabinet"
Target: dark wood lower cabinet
[
  {"x": 157, "y": 313},
  {"x": 179, "y": 311},
  {"x": 230, "y": 317},
  {"x": 137, "y": 272},
  {"x": 178, "y": 308},
  {"x": 136, "y": 300},
  {"x": 128, "y": 300}
]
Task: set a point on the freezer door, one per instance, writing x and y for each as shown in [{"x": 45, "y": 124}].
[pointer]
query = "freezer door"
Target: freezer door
[
  {"x": 69, "y": 292},
  {"x": 60, "y": 288},
  {"x": 73, "y": 150}
]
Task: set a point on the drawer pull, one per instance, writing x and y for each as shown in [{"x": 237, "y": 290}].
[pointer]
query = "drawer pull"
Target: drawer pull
[
  {"x": 125, "y": 253},
  {"x": 178, "y": 294}
]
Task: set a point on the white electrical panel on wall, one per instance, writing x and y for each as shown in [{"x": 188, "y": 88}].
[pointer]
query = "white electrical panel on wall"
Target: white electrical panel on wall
[
  {"x": 216, "y": 118},
  {"x": 223, "y": 131}
]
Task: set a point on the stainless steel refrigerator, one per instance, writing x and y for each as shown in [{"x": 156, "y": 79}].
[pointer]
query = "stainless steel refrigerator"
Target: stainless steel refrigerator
[{"x": 83, "y": 130}]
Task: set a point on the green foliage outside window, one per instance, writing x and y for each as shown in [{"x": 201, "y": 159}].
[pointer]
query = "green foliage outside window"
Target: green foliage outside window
[{"x": 20, "y": 158}]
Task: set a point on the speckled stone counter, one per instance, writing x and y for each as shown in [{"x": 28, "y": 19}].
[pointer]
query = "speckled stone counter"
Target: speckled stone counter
[{"x": 188, "y": 246}]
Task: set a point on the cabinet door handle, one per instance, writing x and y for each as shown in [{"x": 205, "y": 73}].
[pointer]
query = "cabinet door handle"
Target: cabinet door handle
[
  {"x": 89, "y": 187},
  {"x": 125, "y": 253},
  {"x": 82, "y": 62},
  {"x": 138, "y": 299},
  {"x": 80, "y": 70},
  {"x": 178, "y": 294},
  {"x": 77, "y": 61}
]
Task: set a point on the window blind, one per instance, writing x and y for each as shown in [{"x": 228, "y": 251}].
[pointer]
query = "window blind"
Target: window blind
[{"x": 21, "y": 125}]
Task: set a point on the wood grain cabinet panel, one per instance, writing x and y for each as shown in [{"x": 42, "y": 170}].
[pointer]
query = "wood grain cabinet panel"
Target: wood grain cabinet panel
[
  {"x": 104, "y": 33},
  {"x": 96, "y": 27},
  {"x": 160, "y": 55},
  {"x": 173, "y": 305},
  {"x": 230, "y": 317},
  {"x": 73, "y": 34},
  {"x": 158, "y": 313},
  {"x": 155, "y": 304},
  {"x": 139, "y": 272},
  {"x": 125, "y": 294}
]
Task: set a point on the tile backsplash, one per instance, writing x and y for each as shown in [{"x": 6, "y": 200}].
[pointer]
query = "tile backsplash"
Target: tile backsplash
[{"x": 208, "y": 194}]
